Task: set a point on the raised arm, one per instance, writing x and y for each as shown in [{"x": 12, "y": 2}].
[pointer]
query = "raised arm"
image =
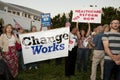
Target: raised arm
[
  {"x": 77, "y": 24},
  {"x": 78, "y": 34},
  {"x": 89, "y": 30}
]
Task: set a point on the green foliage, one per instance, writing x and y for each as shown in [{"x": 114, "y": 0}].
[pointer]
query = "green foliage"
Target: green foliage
[
  {"x": 51, "y": 71},
  {"x": 63, "y": 20},
  {"x": 56, "y": 21},
  {"x": 108, "y": 14},
  {"x": 70, "y": 15}
]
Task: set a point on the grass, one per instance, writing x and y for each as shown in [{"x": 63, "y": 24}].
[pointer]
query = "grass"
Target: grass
[{"x": 51, "y": 71}]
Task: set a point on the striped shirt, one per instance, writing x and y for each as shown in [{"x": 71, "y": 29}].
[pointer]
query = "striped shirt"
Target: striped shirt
[{"x": 114, "y": 42}]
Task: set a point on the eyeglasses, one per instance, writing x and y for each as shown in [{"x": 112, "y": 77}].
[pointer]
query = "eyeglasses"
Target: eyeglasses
[{"x": 114, "y": 23}]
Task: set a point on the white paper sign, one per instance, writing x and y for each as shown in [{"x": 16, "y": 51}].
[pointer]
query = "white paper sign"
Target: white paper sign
[
  {"x": 45, "y": 45},
  {"x": 85, "y": 42},
  {"x": 87, "y": 15},
  {"x": 71, "y": 44}
]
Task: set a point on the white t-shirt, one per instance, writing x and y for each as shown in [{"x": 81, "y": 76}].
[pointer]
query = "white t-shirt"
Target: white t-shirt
[
  {"x": 72, "y": 36},
  {"x": 11, "y": 41}
]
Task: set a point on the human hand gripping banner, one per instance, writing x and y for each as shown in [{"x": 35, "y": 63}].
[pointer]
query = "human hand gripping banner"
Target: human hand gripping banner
[{"x": 45, "y": 45}]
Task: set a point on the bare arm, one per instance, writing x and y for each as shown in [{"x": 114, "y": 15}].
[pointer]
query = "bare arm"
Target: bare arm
[
  {"x": 90, "y": 42},
  {"x": 41, "y": 27},
  {"x": 108, "y": 51},
  {"x": 89, "y": 30},
  {"x": 17, "y": 39},
  {"x": 77, "y": 25},
  {"x": 78, "y": 34}
]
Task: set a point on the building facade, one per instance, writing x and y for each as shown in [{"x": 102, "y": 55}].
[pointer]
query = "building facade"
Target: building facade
[{"x": 20, "y": 11}]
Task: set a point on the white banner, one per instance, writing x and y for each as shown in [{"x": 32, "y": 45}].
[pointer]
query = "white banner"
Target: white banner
[
  {"x": 45, "y": 45},
  {"x": 87, "y": 15}
]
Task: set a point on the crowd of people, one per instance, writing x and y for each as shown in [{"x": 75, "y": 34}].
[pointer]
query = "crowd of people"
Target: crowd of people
[{"x": 103, "y": 42}]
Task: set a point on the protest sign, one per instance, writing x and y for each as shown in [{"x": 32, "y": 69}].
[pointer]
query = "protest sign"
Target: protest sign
[
  {"x": 71, "y": 44},
  {"x": 45, "y": 45},
  {"x": 45, "y": 20},
  {"x": 87, "y": 15}
]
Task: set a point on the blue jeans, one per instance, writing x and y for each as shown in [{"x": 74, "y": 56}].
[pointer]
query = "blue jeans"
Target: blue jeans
[
  {"x": 110, "y": 68},
  {"x": 33, "y": 65},
  {"x": 83, "y": 55}
]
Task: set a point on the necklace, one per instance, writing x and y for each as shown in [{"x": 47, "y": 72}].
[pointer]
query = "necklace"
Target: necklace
[{"x": 9, "y": 37}]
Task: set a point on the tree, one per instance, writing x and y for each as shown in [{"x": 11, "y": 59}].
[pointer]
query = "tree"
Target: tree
[
  {"x": 108, "y": 14},
  {"x": 63, "y": 20},
  {"x": 56, "y": 21}
]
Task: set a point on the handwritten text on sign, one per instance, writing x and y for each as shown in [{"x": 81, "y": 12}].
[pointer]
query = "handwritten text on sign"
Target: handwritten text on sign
[{"x": 91, "y": 15}]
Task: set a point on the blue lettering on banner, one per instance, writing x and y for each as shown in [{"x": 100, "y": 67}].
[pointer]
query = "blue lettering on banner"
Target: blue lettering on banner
[
  {"x": 37, "y": 44},
  {"x": 41, "y": 49}
]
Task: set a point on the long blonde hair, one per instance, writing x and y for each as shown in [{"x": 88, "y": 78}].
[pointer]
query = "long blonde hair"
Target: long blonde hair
[{"x": 4, "y": 29}]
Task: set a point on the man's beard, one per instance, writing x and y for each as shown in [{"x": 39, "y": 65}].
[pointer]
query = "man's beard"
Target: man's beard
[{"x": 115, "y": 28}]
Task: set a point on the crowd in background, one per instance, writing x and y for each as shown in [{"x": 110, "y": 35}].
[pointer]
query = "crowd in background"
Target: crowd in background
[{"x": 103, "y": 42}]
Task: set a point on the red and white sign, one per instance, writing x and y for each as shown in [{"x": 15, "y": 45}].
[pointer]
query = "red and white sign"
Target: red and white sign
[
  {"x": 87, "y": 15},
  {"x": 71, "y": 44}
]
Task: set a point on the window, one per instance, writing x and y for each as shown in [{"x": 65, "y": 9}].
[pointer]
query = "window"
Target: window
[
  {"x": 9, "y": 11},
  {"x": 14, "y": 12},
  {"x": 29, "y": 16},
  {"x": 35, "y": 17},
  {"x": 25, "y": 14},
  {"x": 18, "y": 13}
]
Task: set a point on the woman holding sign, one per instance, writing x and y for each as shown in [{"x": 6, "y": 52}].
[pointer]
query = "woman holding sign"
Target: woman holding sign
[
  {"x": 83, "y": 48},
  {"x": 7, "y": 43},
  {"x": 33, "y": 65}
]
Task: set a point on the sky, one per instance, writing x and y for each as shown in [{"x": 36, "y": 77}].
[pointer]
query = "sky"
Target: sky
[{"x": 62, "y": 6}]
